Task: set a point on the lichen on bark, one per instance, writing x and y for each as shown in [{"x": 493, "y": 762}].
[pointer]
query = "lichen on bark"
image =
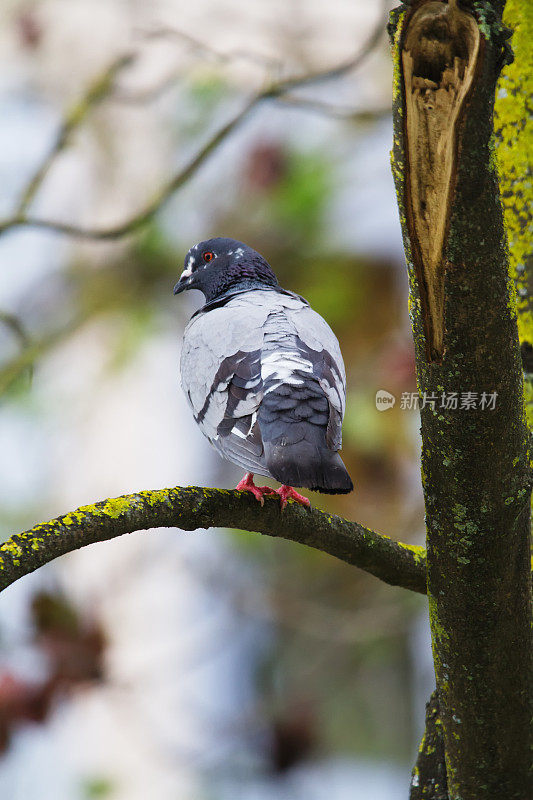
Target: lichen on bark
[
  {"x": 475, "y": 462},
  {"x": 428, "y": 778},
  {"x": 195, "y": 507},
  {"x": 514, "y": 145}
]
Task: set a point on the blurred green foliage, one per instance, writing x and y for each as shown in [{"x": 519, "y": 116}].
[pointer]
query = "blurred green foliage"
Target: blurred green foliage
[
  {"x": 296, "y": 202},
  {"x": 98, "y": 788}
]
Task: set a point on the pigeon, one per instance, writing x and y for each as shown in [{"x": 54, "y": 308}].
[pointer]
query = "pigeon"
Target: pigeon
[{"x": 263, "y": 374}]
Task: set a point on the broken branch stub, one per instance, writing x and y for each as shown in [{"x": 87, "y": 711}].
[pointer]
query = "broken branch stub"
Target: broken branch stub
[{"x": 440, "y": 52}]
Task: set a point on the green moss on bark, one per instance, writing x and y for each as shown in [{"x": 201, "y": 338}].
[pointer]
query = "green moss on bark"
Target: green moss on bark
[
  {"x": 514, "y": 145},
  {"x": 475, "y": 467},
  {"x": 428, "y": 778},
  {"x": 196, "y": 507}
]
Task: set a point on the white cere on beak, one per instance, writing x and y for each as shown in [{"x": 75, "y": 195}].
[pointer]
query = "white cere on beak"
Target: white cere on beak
[{"x": 187, "y": 272}]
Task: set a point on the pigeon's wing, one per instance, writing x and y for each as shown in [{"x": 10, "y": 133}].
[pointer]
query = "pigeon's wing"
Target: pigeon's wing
[
  {"x": 319, "y": 344},
  {"x": 221, "y": 377},
  {"x": 238, "y": 435}
]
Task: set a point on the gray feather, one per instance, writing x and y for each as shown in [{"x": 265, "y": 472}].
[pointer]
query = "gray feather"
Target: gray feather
[{"x": 264, "y": 376}]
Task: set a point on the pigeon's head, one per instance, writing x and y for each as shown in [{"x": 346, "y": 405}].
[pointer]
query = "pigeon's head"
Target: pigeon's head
[{"x": 219, "y": 265}]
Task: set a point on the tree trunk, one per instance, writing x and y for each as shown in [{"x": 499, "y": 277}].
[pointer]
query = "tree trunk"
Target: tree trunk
[{"x": 475, "y": 457}]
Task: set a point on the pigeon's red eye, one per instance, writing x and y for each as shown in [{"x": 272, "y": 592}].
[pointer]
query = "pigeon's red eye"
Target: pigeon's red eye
[{"x": 209, "y": 256}]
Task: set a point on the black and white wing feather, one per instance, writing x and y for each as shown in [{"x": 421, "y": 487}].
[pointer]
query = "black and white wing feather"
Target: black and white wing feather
[
  {"x": 319, "y": 344},
  {"x": 221, "y": 377}
]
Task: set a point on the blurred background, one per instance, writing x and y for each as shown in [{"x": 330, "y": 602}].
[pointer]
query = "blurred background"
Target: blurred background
[{"x": 213, "y": 664}]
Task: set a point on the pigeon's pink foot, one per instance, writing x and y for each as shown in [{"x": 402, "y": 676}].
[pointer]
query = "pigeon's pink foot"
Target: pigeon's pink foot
[
  {"x": 247, "y": 485},
  {"x": 288, "y": 493}
]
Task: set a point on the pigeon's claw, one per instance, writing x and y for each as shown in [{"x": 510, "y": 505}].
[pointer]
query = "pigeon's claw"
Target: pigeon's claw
[
  {"x": 288, "y": 493},
  {"x": 247, "y": 485}
]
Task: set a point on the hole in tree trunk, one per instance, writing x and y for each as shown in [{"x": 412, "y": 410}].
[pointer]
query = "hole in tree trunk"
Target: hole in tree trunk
[{"x": 440, "y": 51}]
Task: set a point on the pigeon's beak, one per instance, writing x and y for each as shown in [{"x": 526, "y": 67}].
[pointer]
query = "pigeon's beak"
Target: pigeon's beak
[{"x": 183, "y": 283}]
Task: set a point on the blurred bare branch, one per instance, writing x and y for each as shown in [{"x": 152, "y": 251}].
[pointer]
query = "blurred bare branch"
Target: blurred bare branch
[
  {"x": 102, "y": 87},
  {"x": 19, "y": 362},
  {"x": 149, "y": 94},
  {"x": 34, "y": 349},
  {"x": 229, "y": 56},
  {"x": 97, "y": 91},
  {"x": 147, "y": 214},
  {"x": 14, "y": 324},
  {"x": 337, "y": 112},
  {"x": 320, "y": 76}
]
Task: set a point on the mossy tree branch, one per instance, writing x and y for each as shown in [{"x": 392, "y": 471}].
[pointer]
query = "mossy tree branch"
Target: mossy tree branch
[
  {"x": 193, "y": 507},
  {"x": 475, "y": 462}
]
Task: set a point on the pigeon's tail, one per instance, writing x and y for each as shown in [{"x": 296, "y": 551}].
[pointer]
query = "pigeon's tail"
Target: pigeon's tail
[{"x": 305, "y": 464}]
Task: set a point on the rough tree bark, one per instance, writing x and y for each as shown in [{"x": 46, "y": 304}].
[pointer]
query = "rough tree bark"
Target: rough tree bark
[
  {"x": 475, "y": 462},
  {"x": 429, "y": 780}
]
